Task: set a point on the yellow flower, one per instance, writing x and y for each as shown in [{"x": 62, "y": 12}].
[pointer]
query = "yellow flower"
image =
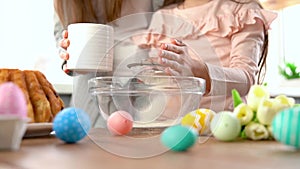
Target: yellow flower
[
  {"x": 255, "y": 95},
  {"x": 244, "y": 113},
  {"x": 256, "y": 131}
]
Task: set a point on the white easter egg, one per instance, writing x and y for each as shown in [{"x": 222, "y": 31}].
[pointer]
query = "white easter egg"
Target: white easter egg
[{"x": 225, "y": 126}]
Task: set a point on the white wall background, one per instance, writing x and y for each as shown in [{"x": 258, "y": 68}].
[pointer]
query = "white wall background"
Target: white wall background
[
  {"x": 27, "y": 40},
  {"x": 291, "y": 35},
  {"x": 284, "y": 46}
]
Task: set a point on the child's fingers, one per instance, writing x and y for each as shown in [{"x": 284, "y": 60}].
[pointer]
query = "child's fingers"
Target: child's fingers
[
  {"x": 172, "y": 47},
  {"x": 171, "y": 72},
  {"x": 171, "y": 64},
  {"x": 177, "y": 42},
  {"x": 170, "y": 56}
]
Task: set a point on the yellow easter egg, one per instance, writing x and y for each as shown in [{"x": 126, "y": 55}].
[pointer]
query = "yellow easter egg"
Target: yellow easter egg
[{"x": 199, "y": 119}]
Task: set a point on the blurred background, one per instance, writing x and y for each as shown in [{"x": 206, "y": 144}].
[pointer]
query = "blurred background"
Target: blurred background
[{"x": 27, "y": 40}]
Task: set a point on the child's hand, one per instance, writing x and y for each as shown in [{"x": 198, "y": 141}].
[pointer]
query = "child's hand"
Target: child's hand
[
  {"x": 176, "y": 58},
  {"x": 178, "y": 62}
]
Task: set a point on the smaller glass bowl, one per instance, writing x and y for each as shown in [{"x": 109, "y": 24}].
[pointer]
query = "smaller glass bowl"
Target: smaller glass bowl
[{"x": 153, "y": 101}]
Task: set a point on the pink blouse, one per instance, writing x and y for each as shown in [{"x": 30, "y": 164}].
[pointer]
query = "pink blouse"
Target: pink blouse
[{"x": 227, "y": 36}]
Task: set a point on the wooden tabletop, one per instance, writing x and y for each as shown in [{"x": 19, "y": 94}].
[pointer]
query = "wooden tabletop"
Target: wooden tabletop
[{"x": 100, "y": 150}]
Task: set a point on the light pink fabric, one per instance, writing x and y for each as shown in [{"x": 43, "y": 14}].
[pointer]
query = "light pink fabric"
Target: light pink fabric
[{"x": 226, "y": 35}]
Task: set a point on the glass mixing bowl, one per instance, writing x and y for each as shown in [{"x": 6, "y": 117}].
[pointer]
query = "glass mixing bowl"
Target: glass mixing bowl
[{"x": 153, "y": 101}]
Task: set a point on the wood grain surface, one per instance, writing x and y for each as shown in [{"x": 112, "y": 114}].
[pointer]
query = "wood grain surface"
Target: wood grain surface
[{"x": 92, "y": 153}]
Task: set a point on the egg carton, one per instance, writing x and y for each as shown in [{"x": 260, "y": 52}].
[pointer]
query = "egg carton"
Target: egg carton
[{"x": 12, "y": 130}]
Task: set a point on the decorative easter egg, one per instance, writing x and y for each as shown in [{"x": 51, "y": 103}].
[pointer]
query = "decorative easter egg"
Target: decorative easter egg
[
  {"x": 71, "y": 124},
  {"x": 286, "y": 127},
  {"x": 179, "y": 138},
  {"x": 120, "y": 123},
  {"x": 225, "y": 126},
  {"x": 199, "y": 119},
  {"x": 12, "y": 100}
]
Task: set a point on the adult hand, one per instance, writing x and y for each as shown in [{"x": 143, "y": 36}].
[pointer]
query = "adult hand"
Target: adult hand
[{"x": 64, "y": 44}]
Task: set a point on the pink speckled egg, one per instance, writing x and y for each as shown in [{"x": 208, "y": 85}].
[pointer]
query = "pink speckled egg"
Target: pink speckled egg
[
  {"x": 12, "y": 100},
  {"x": 120, "y": 123}
]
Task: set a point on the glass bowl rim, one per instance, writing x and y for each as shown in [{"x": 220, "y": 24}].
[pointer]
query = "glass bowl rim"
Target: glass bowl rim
[{"x": 93, "y": 88}]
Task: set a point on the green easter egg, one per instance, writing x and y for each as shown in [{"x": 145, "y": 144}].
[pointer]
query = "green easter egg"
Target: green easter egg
[
  {"x": 179, "y": 138},
  {"x": 286, "y": 127}
]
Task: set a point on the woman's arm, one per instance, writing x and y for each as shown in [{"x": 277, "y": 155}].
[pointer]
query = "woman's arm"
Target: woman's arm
[{"x": 58, "y": 29}]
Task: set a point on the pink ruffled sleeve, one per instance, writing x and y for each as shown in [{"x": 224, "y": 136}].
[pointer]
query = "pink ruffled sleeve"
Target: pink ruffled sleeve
[
  {"x": 245, "y": 30},
  {"x": 235, "y": 32}
]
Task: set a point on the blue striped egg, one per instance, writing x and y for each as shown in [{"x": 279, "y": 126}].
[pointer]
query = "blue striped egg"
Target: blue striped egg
[{"x": 286, "y": 127}]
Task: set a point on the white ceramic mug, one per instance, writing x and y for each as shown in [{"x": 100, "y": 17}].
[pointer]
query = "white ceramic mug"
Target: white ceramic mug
[{"x": 91, "y": 47}]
